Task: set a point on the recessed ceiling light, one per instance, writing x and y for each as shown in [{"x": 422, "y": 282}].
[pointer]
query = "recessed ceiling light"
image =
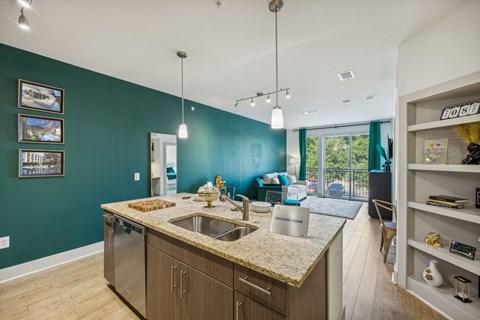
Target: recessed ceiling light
[
  {"x": 346, "y": 101},
  {"x": 310, "y": 112},
  {"x": 370, "y": 97},
  {"x": 347, "y": 75}
]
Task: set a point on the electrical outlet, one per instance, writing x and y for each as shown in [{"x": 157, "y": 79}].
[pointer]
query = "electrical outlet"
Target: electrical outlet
[
  {"x": 4, "y": 242},
  {"x": 136, "y": 176}
]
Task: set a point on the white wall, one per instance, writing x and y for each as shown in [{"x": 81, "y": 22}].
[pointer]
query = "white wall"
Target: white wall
[{"x": 444, "y": 51}]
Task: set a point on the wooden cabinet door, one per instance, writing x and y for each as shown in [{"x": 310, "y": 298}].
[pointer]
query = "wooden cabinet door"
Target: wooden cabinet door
[
  {"x": 248, "y": 309},
  {"x": 204, "y": 298},
  {"x": 163, "y": 302},
  {"x": 108, "y": 255}
]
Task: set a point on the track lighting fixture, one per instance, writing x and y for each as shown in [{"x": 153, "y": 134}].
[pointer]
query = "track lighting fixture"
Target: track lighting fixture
[
  {"x": 252, "y": 103},
  {"x": 260, "y": 94},
  {"x": 287, "y": 95},
  {"x": 182, "y": 130},
  {"x": 25, "y": 3},
  {"x": 22, "y": 21}
]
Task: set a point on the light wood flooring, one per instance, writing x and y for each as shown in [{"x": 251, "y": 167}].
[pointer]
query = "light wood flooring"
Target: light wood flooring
[{"x": 78, "y": 290}]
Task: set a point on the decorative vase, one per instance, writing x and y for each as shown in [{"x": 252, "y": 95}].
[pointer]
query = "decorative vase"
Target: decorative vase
[{"x": 431, "y": 275}]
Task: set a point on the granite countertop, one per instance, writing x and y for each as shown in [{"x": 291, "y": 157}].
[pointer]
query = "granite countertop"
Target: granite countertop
[{"x": 284, "y": 258}]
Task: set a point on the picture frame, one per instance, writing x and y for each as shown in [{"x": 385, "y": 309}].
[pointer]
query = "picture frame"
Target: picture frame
[
  {"x": 463, "y": 250},
  {"x": 435, "y": 151},
  {"x": 33, "y": 163},
  {"x": 40, "y": 97},
  {"x": 37, "y": 129}
]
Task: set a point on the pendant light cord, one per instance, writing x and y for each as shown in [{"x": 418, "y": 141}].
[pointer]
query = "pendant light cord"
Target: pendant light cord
[
  {"x": 276, "y": 61},
  {"x": 183, "y": 120}
]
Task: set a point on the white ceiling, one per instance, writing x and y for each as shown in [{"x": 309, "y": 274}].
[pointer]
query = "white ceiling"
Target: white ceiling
[{"x": 231, "y": 50}]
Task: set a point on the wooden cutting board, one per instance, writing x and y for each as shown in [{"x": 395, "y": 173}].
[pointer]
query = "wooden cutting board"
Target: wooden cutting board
[{"x": 150, "y": 205}]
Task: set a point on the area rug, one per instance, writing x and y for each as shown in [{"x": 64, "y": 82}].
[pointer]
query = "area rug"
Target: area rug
[{"x": 332, "y": 207}]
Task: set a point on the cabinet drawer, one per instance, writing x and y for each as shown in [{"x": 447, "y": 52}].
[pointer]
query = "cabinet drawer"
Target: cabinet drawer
[
  {"x": 248, "y": 309},
  {"x": 267, "y": 291},
  {"x": 210, "y": 264}
]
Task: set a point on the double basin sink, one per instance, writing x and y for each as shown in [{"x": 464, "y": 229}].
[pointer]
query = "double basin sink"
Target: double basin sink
[{"x": 212, "y": 227}]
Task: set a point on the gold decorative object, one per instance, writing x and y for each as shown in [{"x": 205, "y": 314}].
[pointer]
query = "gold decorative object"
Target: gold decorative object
[
  {"x": 208, "y": 194},
  {"x": 219, "y": 183},
  {"x": 433, "y": 239}
]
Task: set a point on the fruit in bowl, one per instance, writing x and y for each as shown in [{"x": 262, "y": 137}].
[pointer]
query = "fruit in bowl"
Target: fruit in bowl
[{"x": 208, "y": 194}]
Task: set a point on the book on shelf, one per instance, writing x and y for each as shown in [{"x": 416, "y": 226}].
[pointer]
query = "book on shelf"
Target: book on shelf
[
  {"x": 444, "y": 204},
  {"x": 448, "y": 199}
]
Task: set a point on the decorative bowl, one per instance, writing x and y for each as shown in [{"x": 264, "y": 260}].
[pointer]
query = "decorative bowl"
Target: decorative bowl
[{"x": 209, "y": 195}]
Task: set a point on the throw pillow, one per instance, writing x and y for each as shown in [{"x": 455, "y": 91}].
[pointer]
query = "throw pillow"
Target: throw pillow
[
  {"x": 275, "y": 180},
  {"x": 259, "y": 182},
  {"x": 283, "y": 180},
  {"x": 269, "y": 176},
  {"x": 292, "y": 179}
]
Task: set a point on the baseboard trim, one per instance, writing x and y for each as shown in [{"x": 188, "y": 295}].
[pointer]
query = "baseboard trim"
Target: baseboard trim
[{"x": 34, "y": 266}]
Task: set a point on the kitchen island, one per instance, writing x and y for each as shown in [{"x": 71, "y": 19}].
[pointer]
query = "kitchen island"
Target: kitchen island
[{"x": 260, "y": 276}]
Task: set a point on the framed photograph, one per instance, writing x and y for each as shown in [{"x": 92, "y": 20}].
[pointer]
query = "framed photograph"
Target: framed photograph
[
  {"x": 435, "y": 151},
  {"x": 40, "y": 163},
  {"x": 40, "y": 97},
  {"x": 37, "y": 129},
  {"x": 463, "y": 250}
]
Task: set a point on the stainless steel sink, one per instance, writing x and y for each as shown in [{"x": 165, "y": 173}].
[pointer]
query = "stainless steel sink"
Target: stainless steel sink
[
  {"x": 235, "y": 234},
  {"x": 215, "y": 228}
]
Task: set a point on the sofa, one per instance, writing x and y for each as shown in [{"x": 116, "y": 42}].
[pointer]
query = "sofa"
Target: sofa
[{"x": 292, "y": 189}]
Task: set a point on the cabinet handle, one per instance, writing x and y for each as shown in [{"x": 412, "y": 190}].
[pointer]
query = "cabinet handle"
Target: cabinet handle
[
  {"x": 182, "y": 273},
  {"x": 237, "y": 310},
  {"x": 110, "y": 238},
  {"x": 173, "y": 283},
  {"x": 248, "y": 283}
]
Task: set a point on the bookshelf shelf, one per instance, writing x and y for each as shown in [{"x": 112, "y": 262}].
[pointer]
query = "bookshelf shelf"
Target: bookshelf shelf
[
  {"x": 442, "y": 253},
  {"x": 445, "y": 296},
  {"x": 465, "y": 214},
  {"x": 443, "y": 123},
  {"x": 445, "y": 167}
]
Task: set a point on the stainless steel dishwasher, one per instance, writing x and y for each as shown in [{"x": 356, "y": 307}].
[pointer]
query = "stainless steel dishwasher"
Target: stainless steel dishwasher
[{"x": 129, "y": 238}]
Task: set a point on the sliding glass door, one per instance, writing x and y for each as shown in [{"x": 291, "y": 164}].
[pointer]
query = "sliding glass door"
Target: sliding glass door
[
  {"x": 337, "y": 165},
  {"x": 344, "y": 168}
]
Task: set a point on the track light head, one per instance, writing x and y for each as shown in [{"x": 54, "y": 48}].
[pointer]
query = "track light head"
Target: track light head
[
  {"x": 22, "y": 21},
  {"x": 236, "y": 104},
  {"x": 252, "y": 103},
  {"x": 268, "y": 99},
  {"x": 287, "y": 95}
]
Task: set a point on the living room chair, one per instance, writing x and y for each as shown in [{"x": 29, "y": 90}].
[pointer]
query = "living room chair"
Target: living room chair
[{"x": 389, "y": 228}]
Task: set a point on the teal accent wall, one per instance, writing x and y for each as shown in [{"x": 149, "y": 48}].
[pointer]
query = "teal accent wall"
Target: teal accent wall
[{"x": 107, "y": 125}]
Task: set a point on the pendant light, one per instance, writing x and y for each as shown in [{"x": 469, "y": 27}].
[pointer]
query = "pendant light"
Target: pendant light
[
  {"x": 277, "y": 116},
  {"x": 182, "y": 130},
  {"x": 22, "y": 21}
]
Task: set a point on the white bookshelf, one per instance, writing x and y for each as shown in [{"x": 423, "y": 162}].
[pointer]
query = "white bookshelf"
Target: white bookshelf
[
  {"x": 465, "y": 214},
  {"x": 418, "y": 120}
]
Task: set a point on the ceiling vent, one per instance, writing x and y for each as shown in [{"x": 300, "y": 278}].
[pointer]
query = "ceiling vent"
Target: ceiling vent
[{"x": 344, "y": 76}]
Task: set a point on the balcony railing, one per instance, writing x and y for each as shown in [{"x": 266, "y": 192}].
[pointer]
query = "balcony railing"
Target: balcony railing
[{"x": 339, "y": 183}]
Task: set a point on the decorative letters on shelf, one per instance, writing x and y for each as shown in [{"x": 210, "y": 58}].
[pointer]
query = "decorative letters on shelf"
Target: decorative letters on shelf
[{"x": 461, "y": 110}]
